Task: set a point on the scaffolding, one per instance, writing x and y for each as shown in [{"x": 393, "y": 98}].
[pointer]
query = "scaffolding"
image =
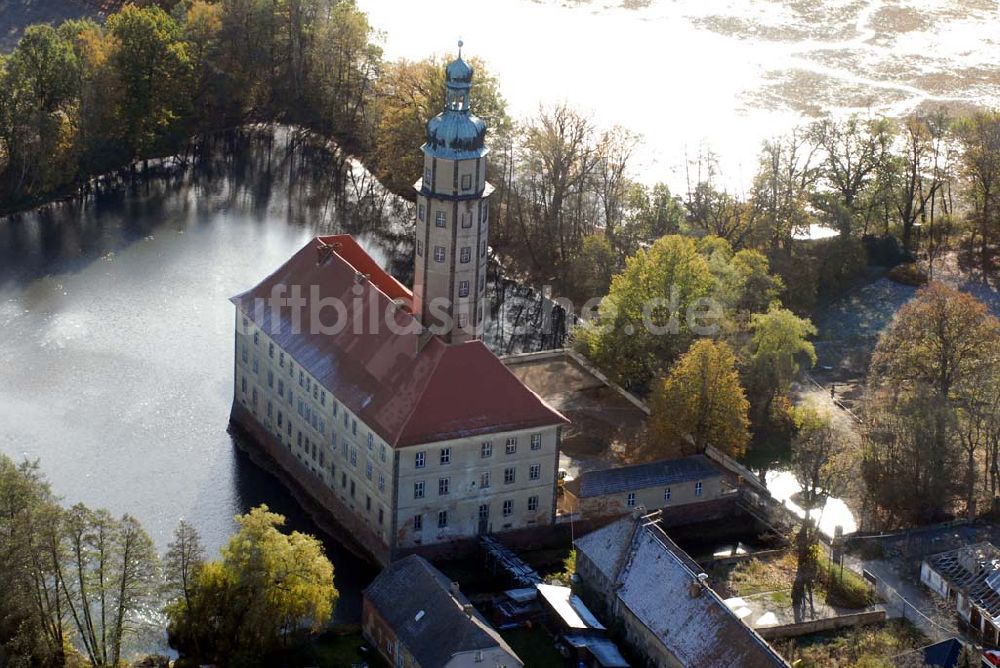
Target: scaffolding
[{"x": 499, "y": 555}]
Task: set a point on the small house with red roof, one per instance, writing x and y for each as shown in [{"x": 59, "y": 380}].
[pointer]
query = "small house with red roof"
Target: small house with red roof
[{"x": 383, "y": 404}]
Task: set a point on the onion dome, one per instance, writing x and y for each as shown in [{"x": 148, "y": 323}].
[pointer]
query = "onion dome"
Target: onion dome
[{"x": 456, "y": 133}]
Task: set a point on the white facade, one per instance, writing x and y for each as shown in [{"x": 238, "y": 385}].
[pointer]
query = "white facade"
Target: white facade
[{"x": 381, "y": 484}]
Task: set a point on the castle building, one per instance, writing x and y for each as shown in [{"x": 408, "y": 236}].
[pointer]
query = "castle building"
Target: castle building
[{"x": 383, "y": 405}]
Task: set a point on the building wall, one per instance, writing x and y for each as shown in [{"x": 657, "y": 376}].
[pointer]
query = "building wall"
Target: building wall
[
  {"x": 346, "y": 456},
  {"x": 651, "y": 498},
  {"x": 333, "y": 444},
  {"x": 463, "y": 240},
  {"x": 464, "y": 494},
  {"x": 643, "y": 641},
  {"x": 933, "y": 581},
  {"x": 382, "y": 636}
]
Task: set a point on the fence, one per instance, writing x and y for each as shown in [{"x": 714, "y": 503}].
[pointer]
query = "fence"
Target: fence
[{"x": 901, "y": 607}]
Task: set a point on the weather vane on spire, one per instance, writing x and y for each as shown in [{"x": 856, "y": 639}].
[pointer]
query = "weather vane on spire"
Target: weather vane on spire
[{"x": 460, "y": 45}]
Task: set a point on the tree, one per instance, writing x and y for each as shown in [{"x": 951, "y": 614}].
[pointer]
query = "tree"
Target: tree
[
  {"x": 778, "y": 342},
  {"x": 782, "y": 189},
  {"x": 700, "y": 403},
  {"x": 979, "y": 135},
  {"x": 821, "y": 456},
  {"x": 937, "y": 352},
  {"x": 152, "y": 64},
  {"x": 855, "y": 150},
  {"x": 651, "y": 312},
  {"x": 268, "y": 589},
  {"x": 111, "y": 575}
]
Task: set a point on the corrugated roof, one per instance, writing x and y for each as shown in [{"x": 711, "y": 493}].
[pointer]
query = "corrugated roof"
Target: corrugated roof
[
  {"x": 641, "y": 476},
  {"x": 653, "y": 579},
  {"x": 408, "y": 393},
  {"x": 415, "y": 599}
]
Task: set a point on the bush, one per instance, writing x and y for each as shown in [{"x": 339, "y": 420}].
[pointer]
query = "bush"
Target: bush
[
  {"x": 909, "y": 274},
  {"x": 845, "y": 589}
]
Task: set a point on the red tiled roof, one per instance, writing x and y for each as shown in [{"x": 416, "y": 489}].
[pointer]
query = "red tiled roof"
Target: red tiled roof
[{"x": 407, "y": 396}]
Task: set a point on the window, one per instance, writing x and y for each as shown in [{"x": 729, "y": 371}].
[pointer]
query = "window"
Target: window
[
  {"x": 281, "y": 360},
  {"x": 534, "y": 471},
  {"x": 463, "y": 320},
  {"x": 243, "y": 384},
  {"x": 479, "y": 652},
  {"x": 466, "y": 181},
  {"x": 368, "y": 503},
  {"x": 484, "y": 511},
  {"x": 532, "y": 503},
  {"x": 381, "y": 452},
  {"x": 418, "y": 522},
  {"x": 381, "y": 482},
  {"x": 484, "y": 480},
  {"x": 482, "y": 282},
  {"x": 484, "y": 214},
  {"x": 381, "y": 516},
  {"x": 442, "y": 519},
  {"x": 299, "y": 439},
  {"x": 445, "y": 456},
  {"x": 281, "y": 419},
  {"x": 418, "y": 490},
  {"x": 371, "y": 441},
  {"x": 420, "y": 248},
  {"x": 256, "y": 365},
  {"x": 512, "y": 445},
  {"x": 421, "y": 212},
  {"x": 256, "y": 338},
  {"x": 269, "y": 410},
  {"x": 467, "y": 219},
  {"x": 302, "y": 379},
  {"x": 463, "y": 288},
  {"x": 255, "y": 397},
  {"x": 666, "y": 494},
  {"x": 270, "y": 350},
  {"x": 630, "y": 501},
  {"x": 466, "y": 255},
  {"x": 508, "y": 475},
  {"x": 352, "y": 489},
  {"x": 322, "y": 398},
  {"x": 440, "y": 219},
  {"x": 508, "y": 508},
  {"x": 270, "y": 378},
  {"x": 354, "y": 456},
  {"x": 246, "y": 325},
  {"x": 428, "y": 178},
  {"x": 281, "y": 388},
  {"x": 439, "y": 253},
  {"x": 536, "y": 441},
  {"x": 487, "y": 449},
  {"x": 443, "y": 485},
  {"x": 697, "y": 488},
  {"x": 368, "y": 469},
  {"x": 419, "y": 460},
  {"x": 354, "y": 426}
]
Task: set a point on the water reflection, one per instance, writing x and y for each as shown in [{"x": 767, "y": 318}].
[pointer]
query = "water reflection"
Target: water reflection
[{"x": 786, "y": 489}]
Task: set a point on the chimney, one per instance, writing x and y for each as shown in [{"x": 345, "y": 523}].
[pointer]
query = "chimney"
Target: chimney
[
  {"x": 698, "y": 585},
  {"x": 453, "y": 589},
  {"x": 467, "y": 609}
]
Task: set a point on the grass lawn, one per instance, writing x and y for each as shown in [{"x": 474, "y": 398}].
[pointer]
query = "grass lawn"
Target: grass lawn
[
  {"x": 870, "y": 646},
  {"x": 343, "y": 650},
  {"x": 535, "y": 647}
]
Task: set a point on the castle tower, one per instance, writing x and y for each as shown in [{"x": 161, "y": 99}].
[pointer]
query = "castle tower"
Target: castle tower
[{"x": 452, "y": 229}]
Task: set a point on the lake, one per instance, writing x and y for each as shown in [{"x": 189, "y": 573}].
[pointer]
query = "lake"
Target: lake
[{"x": 721, "y": 75}]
